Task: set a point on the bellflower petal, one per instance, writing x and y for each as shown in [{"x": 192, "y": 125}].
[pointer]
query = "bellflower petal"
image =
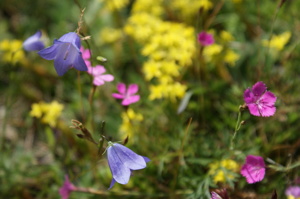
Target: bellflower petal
[
  {"x": 254, "y": 169},
  {"x": 259, "y": 101},
  {"x": 65, "y": 53},
  {"x": 127, "y": 94},
  {"x": 33, "y": 43},
  {"x": 122, "y": 161}
]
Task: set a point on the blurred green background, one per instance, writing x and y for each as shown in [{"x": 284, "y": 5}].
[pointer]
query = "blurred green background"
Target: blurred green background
[{"x": 153, "y": 44}]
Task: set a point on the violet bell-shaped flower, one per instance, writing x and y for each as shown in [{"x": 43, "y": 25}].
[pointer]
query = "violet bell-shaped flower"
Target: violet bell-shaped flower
[
  {"x": 34, "y": 43},
  {"x": 66, "y": 54},
  {"x": 122, "y": 161}
]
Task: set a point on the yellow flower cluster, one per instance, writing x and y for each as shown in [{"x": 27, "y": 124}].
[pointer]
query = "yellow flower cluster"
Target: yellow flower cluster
[
  {"x": 48, "y": 112},
  {"x": 130, "y": 121},
  {"x": 11, "y": 51},
  {"x": 169, "y": 47},
  {"x": 277, "y": 42},
  {"x": 114, "y": 5},
  {"x": 110, "y": 35},
  {"x": 221, "y": 51},
  {"x": 189, "y": 8},
  {"x": 218, "y": 170}
]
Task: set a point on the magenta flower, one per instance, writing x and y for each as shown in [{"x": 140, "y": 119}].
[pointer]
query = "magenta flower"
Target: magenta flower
[
  {"x": 254, "y": 169},
  {"x": 293, "y": 192},
  {"x": 127, "y": 94},
  {"x": 99, "y": 77},
  {"x": 205, "y": 38},
  {"x": 34, "y": 43},
  {"x": 67, "y": 188},
  {"x": 122, "y": 161},
  {"x": 219, "y": 194},
  {"x": 66, "y": 54},
  {"x": 86, "y": 55},
  {"x": 259, "y": 101}
]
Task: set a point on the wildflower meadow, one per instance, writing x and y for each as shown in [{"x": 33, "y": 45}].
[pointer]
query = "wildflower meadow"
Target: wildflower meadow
[{"x": 195, "y": 99}]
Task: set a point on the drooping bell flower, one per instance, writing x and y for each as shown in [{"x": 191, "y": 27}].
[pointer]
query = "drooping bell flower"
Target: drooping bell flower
[
  {"x": 99, "y": 77},
  {"x": 128, "y": 95},
  {"x": 205, "y": 38},
  {"x": 122, "y": 161},
  {"x": 66, "y": 54},
  {"x": 254, "y": 169},
  {"x": 259, "y": 101},
  {"x": 34, "y": 43}
]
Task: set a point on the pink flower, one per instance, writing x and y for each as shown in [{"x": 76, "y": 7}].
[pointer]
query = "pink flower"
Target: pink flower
[
  {"x": 254, "y": 169},
  {"x": 86, "y": 55},
  {"x": 293, "y": 192},
  {"x": 127, "y": 94},
  {"x": 99, "y": 77},
  {"x": 219, "y": 194},
  {"x": 205, "y": 39},
  {"x": 260, "y": 102},
  {"x": 67, "y": 188}
]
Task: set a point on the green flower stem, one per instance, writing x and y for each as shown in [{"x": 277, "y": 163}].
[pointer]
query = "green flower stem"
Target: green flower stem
[{"x": 237, "y": 127}]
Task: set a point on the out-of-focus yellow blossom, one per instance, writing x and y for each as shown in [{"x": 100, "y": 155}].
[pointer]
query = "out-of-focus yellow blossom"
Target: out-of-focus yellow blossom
[
  {"x": 153, "y": 8},
  {"x": 231, "y": 57},
  {"x": 189, "y": 8},
  {"x": 218, "y": 170},
  {"x": 48, "y": 112},
  {"x": 212, "y": 50},
  {"x": 130, "y": 121},
  {"x": 169, "y": 90},
  {"x": 292, "y": 197},
  {"x": 110, "y": 35},
  {"x": 141, "y": 25},
  {"x": 226, "y": 36},
  {"x": 277, "y": 42},
  {"x": 11, "y": 51},
  {"x": 114, "y": 5}
]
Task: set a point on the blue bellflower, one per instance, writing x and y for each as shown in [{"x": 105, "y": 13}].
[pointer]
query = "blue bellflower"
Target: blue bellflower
[
  {"x": 122, "y": 161},
  {"x": 34, "y": 43},
  {"x": 66, "y": 54}
]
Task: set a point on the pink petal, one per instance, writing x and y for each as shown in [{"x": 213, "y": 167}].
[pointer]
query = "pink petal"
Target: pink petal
[
  {"x": 248, "y": 96},
  {"x": 132, "y": 89},
  {"x": 254, "y": 169},
  {"x": 253, "y": 108},
  {"x": 268, "y": 98},
  {"x": 85, "y": 53},
  {"x": 267, "y": 111},
  {"x": 97, "y": 70},
  {"x": 130, "y": 100},
  {"x": 107, "y": 77},
  {"x": 259, "y": 88},
  {"x": 121, "y": 88},
  {"x": 98, "y": 81},
  {"x": 118, "y": 96}
]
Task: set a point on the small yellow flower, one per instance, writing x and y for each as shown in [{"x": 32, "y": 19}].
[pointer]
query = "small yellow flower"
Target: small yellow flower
[
  {"x": 11, "y": 51},
  {"x": 48, "y": 112},
  {"x": 277, "y": 42},
  {"x": 115, "y": 5},
  {"x": 110, "y": 35},
  {"x": 226, "y": 36},
  {"x": 130, "y": 122},
  {"x": 231, "y": 57},
  {"x": 218, "y": 170}
]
